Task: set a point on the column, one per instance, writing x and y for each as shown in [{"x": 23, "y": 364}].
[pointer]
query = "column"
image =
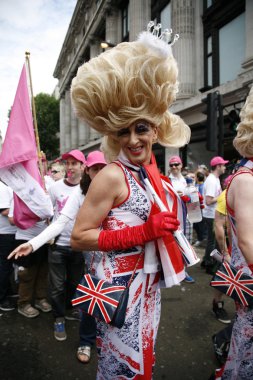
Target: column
[
  {"x": 111, "y": 26},
  {"x": 62, "y": 125},
  {"x": 139, "y": 16},
  {"x": 67, "y": 122},
  {"x": 95, "y": 49},
  {"x": 248, "y": 63},
  {"x": 183, "y": 23},
  {"x": 83, "y": 133},
  {"x": 73, "y": 129}
]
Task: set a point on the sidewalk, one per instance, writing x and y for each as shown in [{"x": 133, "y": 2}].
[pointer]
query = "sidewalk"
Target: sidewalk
[{"x": 184, "y": 348}]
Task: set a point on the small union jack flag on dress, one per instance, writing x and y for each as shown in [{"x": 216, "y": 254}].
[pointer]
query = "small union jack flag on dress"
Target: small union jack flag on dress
[
  {"x": 97, "y": 297},
  {"x": 234, "y": 283}
]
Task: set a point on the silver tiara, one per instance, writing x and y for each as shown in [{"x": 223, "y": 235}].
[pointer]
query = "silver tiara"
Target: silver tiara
[
  {"x": 166, "y": 35},
  {"x": 158, "y": 41}
]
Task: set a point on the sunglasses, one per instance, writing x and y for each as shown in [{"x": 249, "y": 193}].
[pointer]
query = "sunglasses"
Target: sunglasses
[
  {"x": 176, "y": 164},
  {"x": 55, "y": 171}
]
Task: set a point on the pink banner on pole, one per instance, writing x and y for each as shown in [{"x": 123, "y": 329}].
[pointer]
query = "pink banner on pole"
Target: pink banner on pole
[{"x": 19, "y": 147}]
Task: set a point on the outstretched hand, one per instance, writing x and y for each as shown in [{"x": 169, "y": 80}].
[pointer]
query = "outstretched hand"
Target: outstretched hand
[{"x": 22, "y": 250}]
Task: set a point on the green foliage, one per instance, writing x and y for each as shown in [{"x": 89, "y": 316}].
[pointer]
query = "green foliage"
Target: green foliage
[{"x": 47, "y": 114}]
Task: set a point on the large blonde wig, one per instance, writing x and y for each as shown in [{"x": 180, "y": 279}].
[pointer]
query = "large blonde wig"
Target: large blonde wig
[
  {"x": 243, "y": 141},
  {"x": 129, "y": 82}
]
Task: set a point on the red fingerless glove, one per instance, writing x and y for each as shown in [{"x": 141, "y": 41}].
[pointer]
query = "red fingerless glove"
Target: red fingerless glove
[
  {"x": 201, "y": 201},
  {"x": 185, "y": 198},
  {"x": 157, "y": 226}
]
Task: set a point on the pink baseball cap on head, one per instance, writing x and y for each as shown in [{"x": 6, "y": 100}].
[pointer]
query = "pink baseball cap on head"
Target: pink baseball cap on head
[
  {"x": 218, "y": 161},
  {"x": 95, "y": 158},
  {"x": 76, "y": 154},
  {"x": 175, "y": 159}
]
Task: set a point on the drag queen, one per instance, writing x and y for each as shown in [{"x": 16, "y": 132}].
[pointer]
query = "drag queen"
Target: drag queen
[{"x": 124, "y": 93}]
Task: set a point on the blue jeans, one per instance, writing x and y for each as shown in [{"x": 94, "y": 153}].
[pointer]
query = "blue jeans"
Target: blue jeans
[
  {"x": 7, "y": 244},
  {"x": 87, "y": 330},
  {"x": 66, "y": 268}
]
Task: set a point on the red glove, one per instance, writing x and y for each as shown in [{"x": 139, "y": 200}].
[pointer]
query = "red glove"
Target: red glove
[
  {"x": 185, "y": 198},
  {"x": 201, "y": 201},
  {"x": 157, "y": 226}
]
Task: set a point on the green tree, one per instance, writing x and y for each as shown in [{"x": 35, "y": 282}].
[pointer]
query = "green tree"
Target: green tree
[{"x": 47, "y": 114}]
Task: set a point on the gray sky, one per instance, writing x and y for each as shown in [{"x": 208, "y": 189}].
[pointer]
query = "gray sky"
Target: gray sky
[{"x": 38, "y": 26}]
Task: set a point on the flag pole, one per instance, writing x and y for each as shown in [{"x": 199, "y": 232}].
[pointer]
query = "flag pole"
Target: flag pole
[{"x": 35, "y": 125}]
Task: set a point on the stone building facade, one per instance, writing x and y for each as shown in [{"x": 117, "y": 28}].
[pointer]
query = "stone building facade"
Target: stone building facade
[{"x": 214, "y": 53}]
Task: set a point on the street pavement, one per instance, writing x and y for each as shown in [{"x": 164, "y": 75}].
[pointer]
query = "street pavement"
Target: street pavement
[{"x": 184, "y": 348}]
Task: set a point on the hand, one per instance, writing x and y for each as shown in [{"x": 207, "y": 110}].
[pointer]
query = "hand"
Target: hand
[
  {"x": 158, "y": 225},
  {"x": 185, "y": 198},
  {"x": 22, "y": 250}
]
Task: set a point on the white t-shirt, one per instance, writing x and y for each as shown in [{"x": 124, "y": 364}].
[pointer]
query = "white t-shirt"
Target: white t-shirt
[
  {"x": 28, "y": 233},
  {"x": 68, "y": 214},
  {"x": 212, "y": 188},
  {"x": 6, "y": 196},
  {"x": 59, "y": 194},
  {"x": 178, "y": 183}
]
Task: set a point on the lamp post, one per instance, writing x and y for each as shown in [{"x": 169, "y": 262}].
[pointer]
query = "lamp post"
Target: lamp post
[{"x": 106, "y": 44}]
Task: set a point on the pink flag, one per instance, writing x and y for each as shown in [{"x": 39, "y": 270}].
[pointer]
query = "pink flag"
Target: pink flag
[{"x": 18, "y": 162}]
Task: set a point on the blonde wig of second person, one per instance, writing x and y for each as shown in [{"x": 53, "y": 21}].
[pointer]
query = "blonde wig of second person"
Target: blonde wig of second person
[
  {"x": 129, "y": 82},
  {"x": 243, "y": 141}
]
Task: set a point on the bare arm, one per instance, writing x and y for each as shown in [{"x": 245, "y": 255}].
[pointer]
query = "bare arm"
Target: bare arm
[
  {"x": 107, "y": 189},
  {"x": 219, "y": 230},
  {"x": 210, "y": 200},
  {"x": 5, "y": 212},
  {"x": 240, "y": 199},
  {"x": 53, "y": 230}
]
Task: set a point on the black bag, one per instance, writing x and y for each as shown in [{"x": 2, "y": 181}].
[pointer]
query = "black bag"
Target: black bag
[
  {"x": 221, "y": 343},
  {"x": 103, "y": 300}
]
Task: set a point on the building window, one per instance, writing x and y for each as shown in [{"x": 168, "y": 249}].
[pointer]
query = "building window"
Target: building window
[
  {"x": 161, "y": 12},
  {"x": 125, "y": 23},
  {"x": 231, "y": 48},
  {"x": 165, "y": 17},
  {"x": 209, "y": 62},
  {"x": 224, "y": 41}
]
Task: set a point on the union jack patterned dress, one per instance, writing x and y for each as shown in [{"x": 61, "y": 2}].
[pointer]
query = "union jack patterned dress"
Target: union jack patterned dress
[
  {"x": 239, "y": 364},
  {"x": 128, "y": 353}
]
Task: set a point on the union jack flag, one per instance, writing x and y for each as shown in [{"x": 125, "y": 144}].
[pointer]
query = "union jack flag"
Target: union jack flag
[
  {"x": 234, "y": 283},
  {"x": 97, "y": 297}
]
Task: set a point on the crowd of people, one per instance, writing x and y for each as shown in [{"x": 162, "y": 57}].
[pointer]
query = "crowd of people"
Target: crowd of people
[{"x": 105, "y": 220}]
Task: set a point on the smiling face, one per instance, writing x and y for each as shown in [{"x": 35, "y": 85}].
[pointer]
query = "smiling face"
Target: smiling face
[
  {"x": 136, "y": 141},
  {"x": 175, "y": 169}
]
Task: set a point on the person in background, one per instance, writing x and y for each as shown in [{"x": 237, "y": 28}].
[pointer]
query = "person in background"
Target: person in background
[
  {"x": 200, "y": 226},
  {"x": 223, "y": 239},
  {"x": 203, "y": 169},
  {"x": 239, "y": 363},
  {"x": 58, "y": 171},
  {"x": 87, "y": 330},
  {"x": 178, "y": 181},
  {"x": 65, "y": 265},
  {"x": 7, "y": 244},
  {"x": 212, "y": 189},
  {"x": 32, "y": 273}
]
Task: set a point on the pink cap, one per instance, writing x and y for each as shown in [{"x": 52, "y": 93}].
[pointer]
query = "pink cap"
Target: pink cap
[
  {"x": 175, "y": 159},
  {"x": 95, "y": 158},
  {"x": 227, "y": 180},
  {"x": 76, "y": 154},
  {"x": 218, "y": 161}
]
